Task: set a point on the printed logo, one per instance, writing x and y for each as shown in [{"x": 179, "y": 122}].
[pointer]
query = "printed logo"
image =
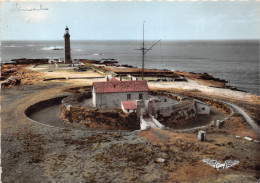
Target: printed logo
[{"x": 214, "y": 163}]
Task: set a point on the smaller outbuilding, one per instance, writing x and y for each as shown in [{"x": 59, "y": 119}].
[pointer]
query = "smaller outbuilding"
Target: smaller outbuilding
[
  {"x": 128, "y": 106},
  {"x": 202, "y": 107}
]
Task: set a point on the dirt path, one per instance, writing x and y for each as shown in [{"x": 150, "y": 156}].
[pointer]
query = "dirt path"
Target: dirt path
[{"x": 251, "y": 122}]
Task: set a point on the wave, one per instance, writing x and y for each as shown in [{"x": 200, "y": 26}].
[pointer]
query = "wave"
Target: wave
[
  {"x": 76, "y": 49},
  {"x": 52, "y": 48},
  {"x": 12, "y": 46},
  {"x": 98, "y": 54}
]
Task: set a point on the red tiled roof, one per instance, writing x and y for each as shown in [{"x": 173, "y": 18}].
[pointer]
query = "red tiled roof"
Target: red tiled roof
[
  {"x": 113, "y": 79},
  {"x": 129, "y": 104},
  {"x": 116, "y": 86}
]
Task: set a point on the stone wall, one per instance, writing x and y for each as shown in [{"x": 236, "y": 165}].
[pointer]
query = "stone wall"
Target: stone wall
[
  {"x": 157, "y": 123},
  {"x": 165, "y": 108},
  {"x": 144, "y": 125},
  {"x": 178, "y": 115},
  {"x": 75, "y": 100},
  {"x": 43, "y": 104}
]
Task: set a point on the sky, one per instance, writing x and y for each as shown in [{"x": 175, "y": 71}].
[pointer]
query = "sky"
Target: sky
[{"x": 124, "y": 20}]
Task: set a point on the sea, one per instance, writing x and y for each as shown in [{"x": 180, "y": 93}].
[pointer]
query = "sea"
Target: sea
[{"x": 236, "y": 61}]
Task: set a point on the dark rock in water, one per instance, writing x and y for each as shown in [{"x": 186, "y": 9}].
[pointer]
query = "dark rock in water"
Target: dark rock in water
[
  {"x": 229, "y": 87},
  {"x": 125, "y": 65},
  {"x": 180, "y": 79},
  {"x": 57, "y": 48},
  {"x": 206, "y": 76},
  {"x": 87, "y": 61},
  {"x": 111, "y": 62},
  {"x": 234, "y": 88}
]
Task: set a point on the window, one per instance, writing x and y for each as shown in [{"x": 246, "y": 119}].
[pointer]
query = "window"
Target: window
[
  {"x": 128, "y": 96},
  {"x": 203, "y": 108},
  {"x": 140, "y": 96}
]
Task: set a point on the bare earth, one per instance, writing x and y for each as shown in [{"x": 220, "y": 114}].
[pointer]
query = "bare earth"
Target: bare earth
[
  {"x": 194, "y": 85},
  {"x": 34, "y": 152}
]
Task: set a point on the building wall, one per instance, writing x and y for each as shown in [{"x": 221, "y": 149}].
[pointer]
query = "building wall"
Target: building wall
[
  {"x": 114, "y": 99},
  {"x": 165, "y": 111},
  {"x": 94, "y": 97},
  {"x": 164, "y": 105},
  {"x": 202, "y": 108},
  {"x": 164, "y": 108},
  {"x": 152, "y": 108}
]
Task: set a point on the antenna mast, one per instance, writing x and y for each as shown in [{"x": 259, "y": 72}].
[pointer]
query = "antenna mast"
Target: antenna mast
[
  {"x": 143, "y": 54},
  {"x": 144, "y": 51}
]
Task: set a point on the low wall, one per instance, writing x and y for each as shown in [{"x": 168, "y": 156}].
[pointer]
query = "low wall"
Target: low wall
[
  {"x": 76, "y": 99},
  {"x": 179, "y": 115},
  {"x": 179, "y": 110},
  {"x": 158, "y": 124},
  {"x": 43, "y": 104},
  {"x": 170, "y": 95},
  {"x": 80, "y": 89},
  {"x": 144, "y": 125},
  {"x": 166, "y": 110}
]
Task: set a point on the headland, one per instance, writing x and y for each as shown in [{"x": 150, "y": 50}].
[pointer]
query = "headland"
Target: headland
[{"x": 47, "y": 132}]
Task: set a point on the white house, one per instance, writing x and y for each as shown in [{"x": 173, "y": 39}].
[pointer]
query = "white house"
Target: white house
[{"x": 112, "y": 92}]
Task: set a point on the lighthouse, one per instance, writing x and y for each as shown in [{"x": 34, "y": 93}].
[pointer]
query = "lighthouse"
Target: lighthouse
[{"x": 67, "y": 46}]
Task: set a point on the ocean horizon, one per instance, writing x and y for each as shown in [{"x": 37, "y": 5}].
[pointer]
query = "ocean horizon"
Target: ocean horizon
[{"x": 236, "y": 61}]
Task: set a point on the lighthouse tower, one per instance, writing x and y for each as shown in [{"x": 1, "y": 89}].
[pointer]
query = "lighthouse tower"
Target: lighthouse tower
[{"x": 67, "y": 46}]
